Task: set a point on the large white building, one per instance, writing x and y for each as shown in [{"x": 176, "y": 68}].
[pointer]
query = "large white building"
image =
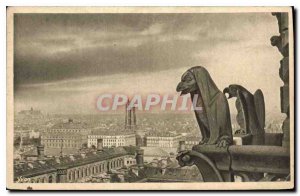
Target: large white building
[
  {"x": 111, "y": 139},
  {"x": 66, "y": 137},
  {"x": 163, "y": 140}
]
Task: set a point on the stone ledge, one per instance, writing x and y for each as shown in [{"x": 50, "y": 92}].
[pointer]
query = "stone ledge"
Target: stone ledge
[{"x": 248, "y": 158}]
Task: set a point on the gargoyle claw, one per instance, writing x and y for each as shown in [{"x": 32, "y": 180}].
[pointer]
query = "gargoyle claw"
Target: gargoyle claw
[{"x": 223, "y": 144}]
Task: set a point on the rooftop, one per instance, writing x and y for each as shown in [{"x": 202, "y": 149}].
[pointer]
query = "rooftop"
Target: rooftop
[
  {"x": 111, "y": 132},
  {"x": 185, "y": 174},
  {"x": 39, "y": 167},
  {"x": 154, "y": 151},
  {"x": 162, "y": 134},
  {"x": 156, "y": 174}
]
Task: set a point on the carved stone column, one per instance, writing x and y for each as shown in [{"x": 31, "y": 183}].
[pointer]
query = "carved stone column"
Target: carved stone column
[{"x": 282, "y": 43}]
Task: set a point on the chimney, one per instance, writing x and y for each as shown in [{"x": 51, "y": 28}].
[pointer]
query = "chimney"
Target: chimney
[
  {"x": 129, "y": 118},
  {"x": 140, "y": 157},
  {"x": 126, "y": 115},
  {"x": 181, "y": 146},
  {"x": 134, "y": 116},
  {"x": 40, "y": 152}
]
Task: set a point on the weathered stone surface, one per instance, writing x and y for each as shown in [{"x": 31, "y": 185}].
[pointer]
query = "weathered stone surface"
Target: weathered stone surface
[
  {"x": 278, "y": 42},
  {"x": 273, "y": 139},
  {"x": 286, "y": 133},
  {"x": 282, "y": 43},
  {"x": 207, "y": 167},
  {"x": 284, "y": 97},
  {"x": 259, "y": 159},
  {"x": 265, "y": 159},
  {"x": 284, "y": 21},
  {"x": 242, "y": 139},
  {"x": 285, "y": 50},
  {"x": 284, "y": 70}
]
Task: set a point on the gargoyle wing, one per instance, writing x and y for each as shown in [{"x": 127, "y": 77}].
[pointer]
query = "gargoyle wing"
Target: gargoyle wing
[
  {"x": 243, "y": 116},
  {"x": 259, "y": 103}
]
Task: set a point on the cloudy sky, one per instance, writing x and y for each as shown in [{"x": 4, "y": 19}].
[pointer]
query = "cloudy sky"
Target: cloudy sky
[{"x": 63, "y": 62}]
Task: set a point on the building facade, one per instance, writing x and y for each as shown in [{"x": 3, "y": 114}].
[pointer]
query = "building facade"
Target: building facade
[
  {"x": 111, "y": 140},
  {"x": 73, "y": 168},
  {"x": 163, "y": 140},
  {"x": 65, "y": 138}
]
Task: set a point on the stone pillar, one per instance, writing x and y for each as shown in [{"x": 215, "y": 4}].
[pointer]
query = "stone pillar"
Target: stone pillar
[{"x": 282, "y": 43}]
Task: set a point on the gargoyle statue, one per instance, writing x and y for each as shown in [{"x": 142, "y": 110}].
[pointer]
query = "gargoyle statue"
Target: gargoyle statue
[
  {"x": 251, "y": 112},
  {"x": 214, "y": 117}
]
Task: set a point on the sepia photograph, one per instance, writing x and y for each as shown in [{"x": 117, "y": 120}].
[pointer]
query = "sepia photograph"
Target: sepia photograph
[{"x": 150, "y": 98}]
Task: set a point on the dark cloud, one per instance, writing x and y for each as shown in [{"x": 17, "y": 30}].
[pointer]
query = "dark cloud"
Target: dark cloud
[{"x": 51, "y": 47}]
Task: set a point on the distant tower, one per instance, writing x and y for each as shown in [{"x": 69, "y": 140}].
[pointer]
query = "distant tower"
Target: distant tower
[{"x": 130, "y": 117}]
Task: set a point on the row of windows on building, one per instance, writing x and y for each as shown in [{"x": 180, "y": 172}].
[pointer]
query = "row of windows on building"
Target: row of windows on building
[
  {"x": 113, "y": 144},
  {"x": 109, "y": 140},
  {"x": 164, "y": 138},
  {"x": 111, "y": 136},
  {"x": 73, "y": 175},
  {"x": 65, "y": 137},
  {"x": 60, "y": 141},
  {"x": 68, "y": 131},
  {"x": 62, "y": 145}
]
